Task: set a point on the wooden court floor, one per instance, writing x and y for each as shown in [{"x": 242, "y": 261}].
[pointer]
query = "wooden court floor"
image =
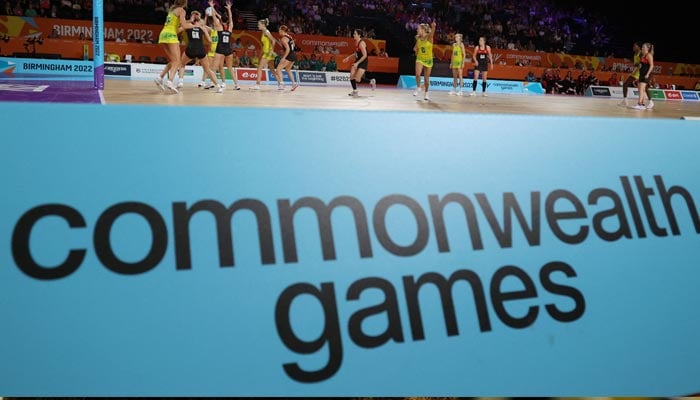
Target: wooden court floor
[{"x": 390, "y": 98}]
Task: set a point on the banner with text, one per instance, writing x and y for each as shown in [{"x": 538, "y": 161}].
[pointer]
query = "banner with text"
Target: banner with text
[
  {"x": 177, "y": 259},
  {"x": 492, "y": 85}
]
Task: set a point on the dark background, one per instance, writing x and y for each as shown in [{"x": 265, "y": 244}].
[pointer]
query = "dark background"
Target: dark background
[{"x": 672, "y": 30}]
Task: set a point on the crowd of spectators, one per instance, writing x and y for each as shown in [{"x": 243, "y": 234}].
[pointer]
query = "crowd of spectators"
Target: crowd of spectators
[{"x": 534, "y": 25}]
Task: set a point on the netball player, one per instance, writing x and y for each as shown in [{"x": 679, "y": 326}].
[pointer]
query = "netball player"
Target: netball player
[
  {"x": 483, "y": 60},
  {"x": 168, "y": 38},
  {"x": 197, "y": 35},
  {"x": 223, "y": 59},
  {"x": 268, "y": 54},
  {"x": 424, "y": 56},
  {"x": 357, "y": 71},
  {"x": 457, "y": 65},
  {"x": 646, "y": 65},
  {"x": 288, "y": 57}
]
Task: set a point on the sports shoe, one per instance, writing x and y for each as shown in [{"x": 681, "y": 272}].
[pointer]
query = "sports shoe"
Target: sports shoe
[
  {"x": 211, "y": 85},
  {"x": 460, "y": 93},
  {"x": 639, "y": 107},
  {"x": 623, "y": 103},
  {"x": 484, "y": 94},
  {"x": 353, "y": 93},
  {"x": 254, "y": 87},
  {"x": 373, "y": 83},
  {"x": 472, "y": 94},
  {"x": 171, "y": 86},
  {"x": 295, "y": 86},
  {"x": 280, "y": 87},
  {"x": 159, "y": 83},
  {"x": 180, "y": 84},
  {"x": 650, "y": 105},
  {"x": 201, "y": 84},
  {"x": 222, "y": 85},
  {"x": 452, "y": 93},
  {"x": 236, "y": 87},
  {"x": 219, "y": 90},
  {"x": 426, "y": 97}
]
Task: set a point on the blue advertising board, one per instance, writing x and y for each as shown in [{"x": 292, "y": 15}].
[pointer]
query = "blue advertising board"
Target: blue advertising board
[
  {"x": 532, "y": 256},
  {"x": 492, "y": 85}
]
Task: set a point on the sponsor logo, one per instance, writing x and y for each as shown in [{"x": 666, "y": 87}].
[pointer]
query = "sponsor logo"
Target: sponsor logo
[
  {"x": 285, "y": 77},
  {"x": 117, "y": 70},
  {"x": 600, "y": 91},
  {"x": 336, "y": 78},
  {"x": 247, "y": 74},
  {"x": 308, "y": 42},
  {"x": 142, "y": 70},
  {"x": 6, "y": 66},
  {"x": 506, "y": 87},
  {"x": 690, "y": 95},
  {"x": 250, "y": 75},
  {"x": 673, "y": 95},
  {"x": 312, "y": 77}
]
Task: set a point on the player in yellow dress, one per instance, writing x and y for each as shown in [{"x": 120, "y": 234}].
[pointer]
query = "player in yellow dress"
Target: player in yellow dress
[
  {"x": 633, "y": 77},
  {"x": 457, "y": 65},
  {"x": 170, "y": 41},
  {"x": 424, "y": 56},
  {"x": 268, "y": 53},
  {"x": 214, "y": 35}
]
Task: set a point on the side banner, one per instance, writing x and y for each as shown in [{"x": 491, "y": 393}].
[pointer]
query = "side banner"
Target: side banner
[
  {"x": 193, "y": 73},
  {"x": 633, "y": 93},
  {"x": 36, "y": 66},
  {"x": 518, "y": 255},
  {"x": 493, "y": 86}
]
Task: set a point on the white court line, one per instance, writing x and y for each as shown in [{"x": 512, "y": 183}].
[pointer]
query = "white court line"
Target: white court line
[{"x": 13, "y": 87}]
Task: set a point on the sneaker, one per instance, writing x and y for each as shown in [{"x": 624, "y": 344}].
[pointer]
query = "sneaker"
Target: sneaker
[
  {"x": 639, "y": 107},
  {"x": 373, "y": 83},
  {"x": 353, "y": 93},
  {"x": 415, "y": 93},
  {"x": 623, "y": 103},
  {"x": 211, "y": 85},
  {"x": 472, "y": 94},
  {"x": 460, "y": 93},
  {"x": 222, "y": 85},
  {"x": 426, "y": 97},
  {"x": 159, "y": 83},
  {"x": 180, "y": 84},
  {"x": 201, "y": 84},
  {"x": 650, "y": 105},
  {"x": 295, "y": 86},
  {"x": 484, "y": 94},
  {"x": 171, "y": 86},
  {"x": 236, "y": 87},
  {"x": 280, "y": 87},
  {"x": 452, "y": 93},
  {"x": 254, "y": 87},
  {"x": 219, "y": 90}
]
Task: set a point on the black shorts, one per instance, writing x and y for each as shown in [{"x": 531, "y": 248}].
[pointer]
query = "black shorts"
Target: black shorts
[
  {"x": 642, "y": 78},
  {"x": 291, "y": 57},
  {"x": 196, "y": 53},
  {"x": 363, "y": 65},
  {"x": 482, "y": 66},
  {"x": 223, "y": 50}
]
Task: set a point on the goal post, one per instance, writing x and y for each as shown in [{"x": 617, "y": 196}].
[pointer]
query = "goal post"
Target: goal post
[{"x": 98, "y": 43}]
